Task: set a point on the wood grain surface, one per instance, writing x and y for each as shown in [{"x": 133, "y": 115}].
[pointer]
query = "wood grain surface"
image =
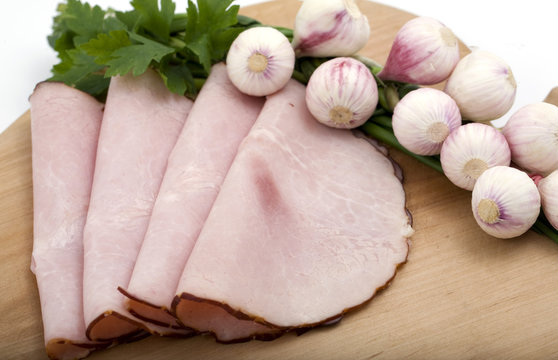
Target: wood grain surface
[{"x": 461, "y": 294}]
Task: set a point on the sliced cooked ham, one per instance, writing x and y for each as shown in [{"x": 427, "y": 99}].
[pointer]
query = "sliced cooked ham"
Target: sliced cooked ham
[
  {"x": 310, "y": 223},
  {"x": 141, "y": 123},
  {"x": 65, "y": 125},
  {"x": 219, "y": 120}
]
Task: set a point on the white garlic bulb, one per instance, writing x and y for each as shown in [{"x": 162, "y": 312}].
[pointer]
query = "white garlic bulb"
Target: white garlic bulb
[
  {"x": 342, "y": 93},
  {"x": 532, "y": 133},
  {"x": 470, "y": 150},
  {"x": 424, "y": 51},
  {"x": 548, "y": 189},
  {"x": 423, "y": 119},
  {"x": 260, "y": 61},
  {"x": 505, "y": 202},
  {"x": 482, "y": 85},
  {"x": 325, "y": 28}
]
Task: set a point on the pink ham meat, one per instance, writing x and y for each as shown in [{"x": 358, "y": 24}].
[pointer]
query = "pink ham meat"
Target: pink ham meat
[
  {"x": 310, "y": 223},
  {"x": 220, "y": 118},
  {"x": 65, "y": 125},
  {"x": 141, "y": 123}
]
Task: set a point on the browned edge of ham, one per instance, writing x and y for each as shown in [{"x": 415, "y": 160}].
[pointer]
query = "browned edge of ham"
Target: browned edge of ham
[
  {"x": 205, "y": 305},
  {"x": 278, "y": 331},
  {"x": 171, "y": 327},
  {"x": 70, "y": 349},
  {"x": 122, "y": 324}
]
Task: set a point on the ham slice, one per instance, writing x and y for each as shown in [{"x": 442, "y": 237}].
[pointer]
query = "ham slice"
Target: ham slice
[
  {"x": 219, "y": 120},
  {"x": 310, "y": 223},
  {"x": 65, "y": 125},
  {"x": 141, "y": 124}
]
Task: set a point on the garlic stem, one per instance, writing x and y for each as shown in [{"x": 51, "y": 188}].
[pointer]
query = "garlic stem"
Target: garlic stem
[
  {"x": 383, "y": 134},
  {"x": 543, "y": 227}
]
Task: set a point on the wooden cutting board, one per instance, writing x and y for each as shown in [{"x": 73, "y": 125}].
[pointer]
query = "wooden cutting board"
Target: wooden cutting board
[{"x": 461, "y": 294}]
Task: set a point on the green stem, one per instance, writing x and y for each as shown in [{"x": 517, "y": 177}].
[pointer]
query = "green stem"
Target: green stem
[
  {"x": 383, "y": 120},
  {"x": 299, "y": 76},
  {"x": 178, "y": 23},
  {"x": 543, "y": 227},
  {"x": 387, "y": 137}
]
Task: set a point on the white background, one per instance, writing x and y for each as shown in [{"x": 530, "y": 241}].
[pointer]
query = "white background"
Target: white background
[{"x": 522, "y": 33}]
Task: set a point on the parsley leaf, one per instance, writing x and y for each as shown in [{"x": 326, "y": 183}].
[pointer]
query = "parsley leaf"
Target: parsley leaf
[
  {"x": 94, "y": 44},
  {"x": 209, "y": 32},
  {"x": 178, "y": 78},
  {"x": 79, "y": 70},
  {"x": 156, "y": 21},
  {"x": 81, "y": 22},
  {"x": 104, "y": 45},
  {"x": 136, "y": 57}
]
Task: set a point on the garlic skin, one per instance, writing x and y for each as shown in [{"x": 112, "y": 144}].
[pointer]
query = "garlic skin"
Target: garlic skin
[
  {"x": 482, "y": 85},
  {"x": 424, "y": 52},
  {"x": 423, "y": 119},
  {"x": 260, "y": 61},
  {"x": 548, "y": 189},
  {"x": 532, "y": 132},
  {"x": 342, "y": 93},
  {"x": 327, "y": 28},
  {"x": 470, "y": 150},
  {"x": 505, "y": 202}
]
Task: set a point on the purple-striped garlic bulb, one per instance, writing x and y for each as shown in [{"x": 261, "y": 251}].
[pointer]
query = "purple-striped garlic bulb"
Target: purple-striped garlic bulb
[
  {"x": 260, "y": 61},
  {"x": 482, "y": 85},
  {"x": 470, "y": 150},
  {"x": 342, "y": 93},
  {"x": 325, "y": 28},
  {"x": 532, "y": 132},
  {"x": 505, "y": 202},
  {"x": 424, "y": 52},
  {"x": 548, "y": 189},
  {"x": 423, "y": 119}
]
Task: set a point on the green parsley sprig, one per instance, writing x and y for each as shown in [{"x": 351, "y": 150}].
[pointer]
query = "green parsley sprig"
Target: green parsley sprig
[{"x": 94, "y": 44}]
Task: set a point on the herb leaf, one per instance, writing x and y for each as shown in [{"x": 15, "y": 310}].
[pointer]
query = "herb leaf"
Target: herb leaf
[
  {"x": 80, "y": 70},
  {"x": 136, "y": 57},
  {"x": 104, "y": 45},
  {"x": 178, "y": 78},
  {"x": 156, "y": 21},
  {"x": 94, "y": 44},
  {"x": 209, "y": 31}
]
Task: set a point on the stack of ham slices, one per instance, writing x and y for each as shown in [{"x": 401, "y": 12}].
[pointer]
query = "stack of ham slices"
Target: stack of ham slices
[{"x": 235, "y": 216}]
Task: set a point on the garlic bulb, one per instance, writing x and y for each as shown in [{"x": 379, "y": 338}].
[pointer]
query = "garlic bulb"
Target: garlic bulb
[
  {"x": 424, "y": 52},
  {"x": 505, "y": 202},
  {"x": 325, "y": 28},
  {"x": 532, "y": 132},
  {"x": 548, "y": 189},
  {"x": 470, "y": 150},
  {"x": 482, "y": 85},
  {"x": 423, "y": 119},
  {"x": 260, "y": 61},
  {"x": 342, "y": 93}
]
